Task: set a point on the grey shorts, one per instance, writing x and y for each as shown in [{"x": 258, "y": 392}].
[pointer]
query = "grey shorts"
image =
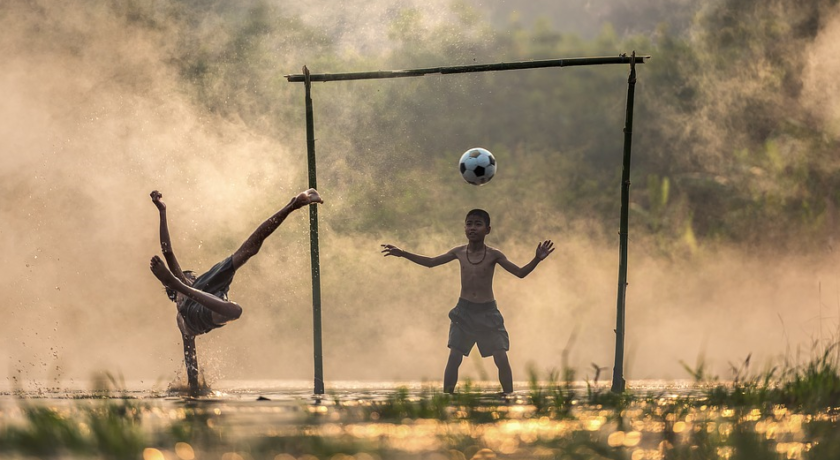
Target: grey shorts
[
  {"x": 477, "y": 323},
  {"x": 197, "y": 317}
]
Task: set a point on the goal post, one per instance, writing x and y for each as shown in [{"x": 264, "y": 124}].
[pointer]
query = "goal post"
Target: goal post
[{"x": 618, "y": 384}]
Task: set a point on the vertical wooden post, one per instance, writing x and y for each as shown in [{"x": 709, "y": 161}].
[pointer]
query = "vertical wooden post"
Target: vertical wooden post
[
  {"x": 618, "y": 370},
  {"x": 313, "y": 241}
]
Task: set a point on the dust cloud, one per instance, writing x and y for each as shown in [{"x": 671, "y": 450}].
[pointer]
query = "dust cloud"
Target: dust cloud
[
  {"x": 94, "y": 118},
  {"x": 822, "y": 62},
  {"x": 92, "y": 122}
]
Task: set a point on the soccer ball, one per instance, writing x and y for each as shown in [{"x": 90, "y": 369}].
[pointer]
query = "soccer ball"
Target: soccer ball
[{"x": 477, "y": 166}]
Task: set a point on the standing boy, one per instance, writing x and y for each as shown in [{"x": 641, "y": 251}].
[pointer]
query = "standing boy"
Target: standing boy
[
  {"x": 475, "y": 319},
  {"x": 202, "y": 302}
]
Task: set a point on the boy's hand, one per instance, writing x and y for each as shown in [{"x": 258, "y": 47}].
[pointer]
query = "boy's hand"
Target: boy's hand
[
  {"x": 156, "y": 196},
  {"x": 544, "y": 249},
  {"x": 391, "y": 250}
]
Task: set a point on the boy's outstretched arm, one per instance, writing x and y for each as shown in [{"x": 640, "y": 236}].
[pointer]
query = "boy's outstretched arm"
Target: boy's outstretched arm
[
  {"x": 391, "y": 250},
  {"x": 543, "y": 250},
  {"x": 165, "y": 241}
]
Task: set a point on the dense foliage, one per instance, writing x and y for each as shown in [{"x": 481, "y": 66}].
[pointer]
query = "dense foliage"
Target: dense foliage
[{"x": 726, "y": 148}]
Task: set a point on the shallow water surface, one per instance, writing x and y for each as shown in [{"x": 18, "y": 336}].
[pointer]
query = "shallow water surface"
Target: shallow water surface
[{"x": 370, "y": 420}]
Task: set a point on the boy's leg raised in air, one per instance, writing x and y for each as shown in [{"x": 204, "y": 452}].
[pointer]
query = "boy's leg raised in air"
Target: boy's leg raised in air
[
  {"x": 500, "y": 357},
  {"x": 252, "y": 245},
  {"x": 229, "y": 310},
  {"x": 450, "y": 374}
]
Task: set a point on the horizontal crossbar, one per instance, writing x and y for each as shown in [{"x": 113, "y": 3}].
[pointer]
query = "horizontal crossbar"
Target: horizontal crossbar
[{"x": 539, "y": 64}]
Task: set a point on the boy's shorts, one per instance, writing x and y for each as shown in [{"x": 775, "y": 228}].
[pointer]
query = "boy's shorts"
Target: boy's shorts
[
  {"x": 197, "y": 317},
  {"x": 477, "y": 323}
]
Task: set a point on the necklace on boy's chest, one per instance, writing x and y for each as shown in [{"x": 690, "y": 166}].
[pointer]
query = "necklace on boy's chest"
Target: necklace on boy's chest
[{"x": 483, "y": 255}]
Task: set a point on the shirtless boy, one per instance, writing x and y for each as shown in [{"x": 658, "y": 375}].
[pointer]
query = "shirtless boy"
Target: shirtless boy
[
  {"x": 475, "y": 319},
  {"x": 202, "y": 301}
]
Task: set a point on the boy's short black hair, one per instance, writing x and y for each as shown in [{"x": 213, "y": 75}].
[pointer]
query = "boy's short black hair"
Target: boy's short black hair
[{"x": 485, "y": 216}]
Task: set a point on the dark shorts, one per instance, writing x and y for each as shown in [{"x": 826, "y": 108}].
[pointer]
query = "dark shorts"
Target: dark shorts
[
  {"x": 197, "y": 317},
  {"x": 477, "y": 323}
]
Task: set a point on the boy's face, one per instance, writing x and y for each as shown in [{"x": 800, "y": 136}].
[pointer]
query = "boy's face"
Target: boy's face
[{"x": 475, "y": 228}]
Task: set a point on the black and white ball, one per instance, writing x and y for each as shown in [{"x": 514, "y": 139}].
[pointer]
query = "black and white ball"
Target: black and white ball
[{"x": 477, "y": 166}]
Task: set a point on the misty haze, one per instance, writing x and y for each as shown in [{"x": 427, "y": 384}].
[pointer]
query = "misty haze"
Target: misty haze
[{"x": 735, "y": 183}]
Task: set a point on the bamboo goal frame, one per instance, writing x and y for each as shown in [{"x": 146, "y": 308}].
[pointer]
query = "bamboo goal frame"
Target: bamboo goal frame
[{"x": 618, "y": 383}]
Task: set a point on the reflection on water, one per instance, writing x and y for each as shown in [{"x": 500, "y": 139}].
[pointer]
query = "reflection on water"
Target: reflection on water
[{"x": 364, "y": 420}]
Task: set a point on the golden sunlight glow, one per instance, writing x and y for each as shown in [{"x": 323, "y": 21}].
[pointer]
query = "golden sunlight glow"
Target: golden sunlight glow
[
  {"x": 484, "y": 454},
  {"x": 151, "y": 453},
  {"x": 791, "y": 450},
  {"x": 632, "y": 439},
  {"x": 616, "y": 439},
  {"x": 725, "y": 452},
  {"x": 184, "y": 451},
  {"x": 594, "y": 423}
]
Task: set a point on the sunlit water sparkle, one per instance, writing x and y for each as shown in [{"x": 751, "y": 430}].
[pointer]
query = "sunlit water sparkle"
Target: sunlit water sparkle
[{"x": 278, "y": 419}]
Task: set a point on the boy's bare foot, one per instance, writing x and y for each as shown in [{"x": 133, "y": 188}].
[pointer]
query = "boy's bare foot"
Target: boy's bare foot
[
  {"x": 162, "y": 273},
  {"x": 156, "y": 196},
  {"x": 308, "y": 197}
]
